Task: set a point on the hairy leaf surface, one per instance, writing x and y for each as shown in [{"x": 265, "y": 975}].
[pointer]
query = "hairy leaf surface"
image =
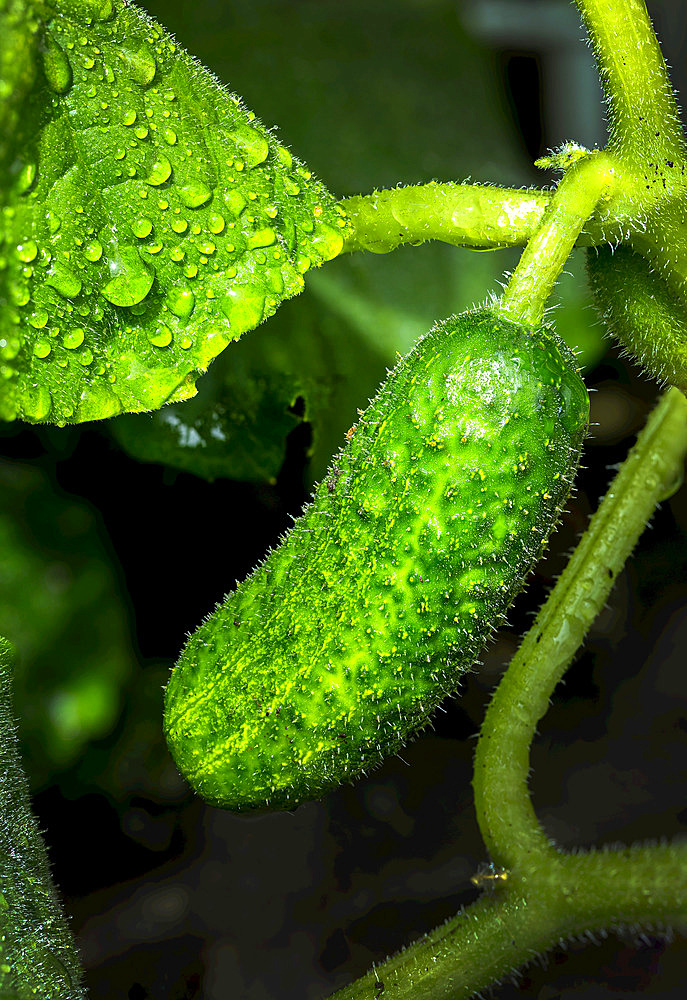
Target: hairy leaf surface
[{"x": 148, "y": 220}]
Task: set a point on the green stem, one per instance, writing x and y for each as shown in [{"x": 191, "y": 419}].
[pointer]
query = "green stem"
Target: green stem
[
  {"x": 38, "y": 957},
  {"x": 644, "y": 117},
  {"x": 470, "y": 215},
  {"x": 504, "y": 810},
  {"x": 542, "y": 260},
  {"x": 503, "y": 931}
]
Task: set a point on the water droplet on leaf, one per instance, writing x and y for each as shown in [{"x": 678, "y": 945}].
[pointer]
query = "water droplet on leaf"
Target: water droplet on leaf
[
  {"x": 140, "y": 63},
  {"x": 37, "y": 403},
  {"x": 26, "y": 178},
  {"x": 235, "y": 201},
  {"x": 254, "y": 146},
  {"x": 261, "y": 238},
  {"x": 58, "y": 72},
  {"x": 93, "y": 250},
  {"x": 27, "y": 251},
  {"x": 42, "y": 348},
  {"x": 162, "y": 337},
  {"x": 181, "y": 301},
  {"x": 142, "y": 227},
  {"x": 38, "y": 319},
  {"x": 243, "y": 305},
  {"x": 193, "y": 194},
  {"x": 73, "y": 339},
  {"x": 131, "y": 280},
  {"x": 65, "y": 282},
  {"x": 160, "y": 170}
]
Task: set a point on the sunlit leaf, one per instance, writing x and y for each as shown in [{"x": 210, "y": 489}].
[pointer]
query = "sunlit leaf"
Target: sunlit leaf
[{"x": 149, "y": 220}]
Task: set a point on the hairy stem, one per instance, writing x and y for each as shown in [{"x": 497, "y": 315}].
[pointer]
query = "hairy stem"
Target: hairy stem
[
  {"x": 643, "y": 113},
  {"x": 38, "y": 957},
  {"x": 475, "y": 216},
  {"x": 532, "y": 913},
  {"x": 544, "y": 257}
]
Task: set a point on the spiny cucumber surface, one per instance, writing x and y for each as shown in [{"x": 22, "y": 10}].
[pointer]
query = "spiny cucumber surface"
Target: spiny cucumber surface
[{"x": 350, "y": 633}]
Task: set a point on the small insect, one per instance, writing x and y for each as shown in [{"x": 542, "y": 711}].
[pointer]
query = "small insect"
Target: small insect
[{"x": 489, "y": 877}]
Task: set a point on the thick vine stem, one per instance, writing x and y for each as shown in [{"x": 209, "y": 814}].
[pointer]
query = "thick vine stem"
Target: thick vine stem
[
  {"x": 584, "y": 184},
  {"x": 504, "y": 810},
  {"x": 475, "y": 216},
  {"x": 504, "y": 930},
  {"x": 38, "y": 957},
  {"x": 644, "y": 118}
]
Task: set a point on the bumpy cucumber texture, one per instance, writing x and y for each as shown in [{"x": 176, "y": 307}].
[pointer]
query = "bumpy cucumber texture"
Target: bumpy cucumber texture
[{"x": 343, "y": 641}]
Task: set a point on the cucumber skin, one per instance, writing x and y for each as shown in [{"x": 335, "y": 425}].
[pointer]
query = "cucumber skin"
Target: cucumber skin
[{"x": 344, "y": 640}]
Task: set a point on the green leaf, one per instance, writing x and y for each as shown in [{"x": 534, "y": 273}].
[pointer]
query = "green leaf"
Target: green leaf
[{"x": 149, "y": 220}]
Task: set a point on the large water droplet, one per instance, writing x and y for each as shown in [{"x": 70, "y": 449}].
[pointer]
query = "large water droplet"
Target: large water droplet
[
  {"x": 64, "y": 281},
  {"x": 261, "y": 238},
  {"x": 42, "y": 348},
  {"x": 284, "y": 156},
  {"x": 38, "y": 319},
  {"x": 73, "y": 339},
  {"x": 53, "y": 220},
  {"x": 170, "y": 136},
  {"x": 243, "y": 305},
  {"x": 93, "y": 250},
  {"x": 37, "y": 403},
  {"x": 211, "y": 342},
  {"x": 160, "y": 170},
  {"x": 181, "y": 301},
  {"x": 142, "y": 227},
  {"x": 235, "y": 201},
  {"x": 194, "y": 193},
  {"x": 179, "y": 225},
  {"x": 327, "y": 241},
  {"x": 254, "y": 146},
  {"x": 26, "y": 177},
  {"x": 97, "y": 403},
  {"x": 27, "y": 251},
  {"x": 129, "y": 117},
  {"x": 140, "y": 63},
  {"x": 162, "y": 337},
  {"x": 131, "y": 280},
  {"x": 216, "y": 223},
  {"x": 58, "y": 72}
]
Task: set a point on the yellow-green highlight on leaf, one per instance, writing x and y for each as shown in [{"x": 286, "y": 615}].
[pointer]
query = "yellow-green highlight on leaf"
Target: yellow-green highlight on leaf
[{"x": 148, "y": 218}]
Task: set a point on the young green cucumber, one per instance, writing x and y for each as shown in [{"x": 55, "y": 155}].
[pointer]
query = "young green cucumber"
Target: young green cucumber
[{"x": 345, "y": 639}]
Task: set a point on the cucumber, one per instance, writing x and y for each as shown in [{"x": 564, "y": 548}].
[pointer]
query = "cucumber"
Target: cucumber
[{"x": 345, "y": 639}]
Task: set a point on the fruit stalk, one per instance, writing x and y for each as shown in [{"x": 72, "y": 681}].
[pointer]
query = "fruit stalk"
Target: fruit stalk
[{"x": 584, "y": 184}]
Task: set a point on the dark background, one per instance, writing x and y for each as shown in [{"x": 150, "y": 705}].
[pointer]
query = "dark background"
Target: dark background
[{"x": 171, "y": 899}]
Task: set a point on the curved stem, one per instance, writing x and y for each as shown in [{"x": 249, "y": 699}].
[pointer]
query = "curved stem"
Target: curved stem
[
  {"x": 552, "y": 902},
  {"x": 504, "y": 810},
  {"x": 544, "y": 257},
  {"x": 643, "y": 113}
]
